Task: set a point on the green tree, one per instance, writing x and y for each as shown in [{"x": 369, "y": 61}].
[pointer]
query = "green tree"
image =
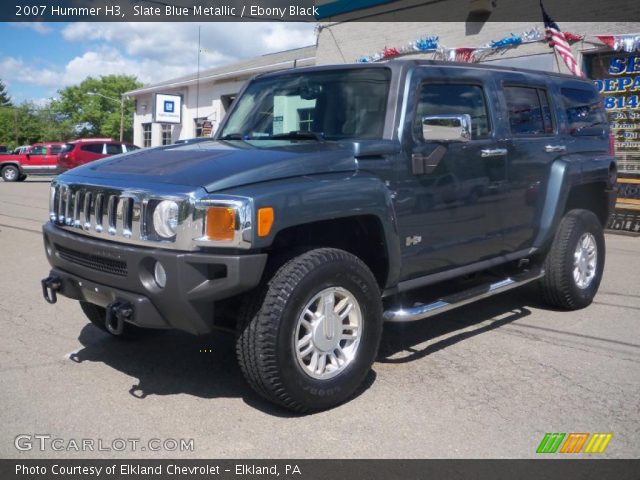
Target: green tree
[
  {"x": 93, "y": 106},
  {"x": 5, "y": 101}
]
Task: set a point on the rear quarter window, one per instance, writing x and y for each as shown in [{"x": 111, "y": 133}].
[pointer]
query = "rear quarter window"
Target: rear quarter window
[
  {"x": 55, "y": 149},
  {"x": 114, "y": 148},
  {"x": 92, "y": 147},
  {"x": 584, "y": 108}
]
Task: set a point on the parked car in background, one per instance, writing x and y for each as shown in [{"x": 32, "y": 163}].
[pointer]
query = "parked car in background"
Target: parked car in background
[
  {"x": 87, "y": 150},
  {"x": 38, "y": 159}
]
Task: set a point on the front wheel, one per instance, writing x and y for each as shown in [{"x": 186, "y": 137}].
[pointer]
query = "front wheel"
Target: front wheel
[
  {"x": 311, "y": 340},
  {"x": 575, "y": 262},
  {"x": 10, "y": 173}
]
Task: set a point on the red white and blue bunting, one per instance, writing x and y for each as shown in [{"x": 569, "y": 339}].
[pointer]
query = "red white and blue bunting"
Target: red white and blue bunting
[
  {"x": 431, "y": 45},
  {"x": 622, "y": 43}
]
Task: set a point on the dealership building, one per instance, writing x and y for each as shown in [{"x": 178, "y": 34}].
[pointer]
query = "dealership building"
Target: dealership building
[{"x": 193, "y": 105}]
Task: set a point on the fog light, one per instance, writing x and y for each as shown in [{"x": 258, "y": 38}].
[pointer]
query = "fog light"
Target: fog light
[{"x": 159, "y": 275}]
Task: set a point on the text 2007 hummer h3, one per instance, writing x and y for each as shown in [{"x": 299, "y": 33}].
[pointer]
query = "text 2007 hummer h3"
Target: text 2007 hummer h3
[{"x": 334, "y": 198}]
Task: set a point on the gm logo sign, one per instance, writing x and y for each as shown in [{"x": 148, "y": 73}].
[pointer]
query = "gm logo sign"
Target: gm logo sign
[
  {"x": 169, "y": 106},
  {"x": 573, "y": 443}
]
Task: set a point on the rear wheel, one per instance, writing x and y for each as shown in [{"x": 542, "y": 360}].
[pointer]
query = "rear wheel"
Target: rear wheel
[
  {"x": 10, "y": 173},
  {"x": 575, "y": 262},
  {"x": 311, "y": 339}
]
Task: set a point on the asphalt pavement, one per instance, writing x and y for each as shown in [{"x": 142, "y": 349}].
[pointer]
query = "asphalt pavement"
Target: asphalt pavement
[{"x": 485, "y": 381}]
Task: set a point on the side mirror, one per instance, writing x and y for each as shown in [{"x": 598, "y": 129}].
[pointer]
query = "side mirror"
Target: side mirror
[{"x": 446, "y": 128}]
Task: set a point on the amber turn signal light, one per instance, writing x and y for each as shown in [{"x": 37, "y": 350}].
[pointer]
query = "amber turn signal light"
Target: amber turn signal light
[
  {"x": 265, "y": 221},
  {"x": 221, "y": 223}
]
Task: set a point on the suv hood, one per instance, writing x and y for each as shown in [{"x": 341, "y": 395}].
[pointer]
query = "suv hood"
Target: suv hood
[{"x": 217, "y": 166}]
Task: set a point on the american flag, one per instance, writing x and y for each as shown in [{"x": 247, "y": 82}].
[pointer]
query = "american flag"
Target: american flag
[{"x": 559, "y": 41}]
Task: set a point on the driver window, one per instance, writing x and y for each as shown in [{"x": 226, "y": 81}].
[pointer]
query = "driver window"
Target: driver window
[
  {"x": 38, "y": 151},
  {"x": 452, "y": 99}
]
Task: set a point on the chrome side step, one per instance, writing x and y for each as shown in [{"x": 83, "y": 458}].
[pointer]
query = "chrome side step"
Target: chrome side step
[{"x": 462, "y": 298}]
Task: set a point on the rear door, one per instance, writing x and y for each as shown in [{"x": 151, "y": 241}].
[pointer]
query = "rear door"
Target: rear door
[
  {"x": 447, "y": 215},
  {"x": 534, "y": 143},
  {"x": 51, "y": 157}
]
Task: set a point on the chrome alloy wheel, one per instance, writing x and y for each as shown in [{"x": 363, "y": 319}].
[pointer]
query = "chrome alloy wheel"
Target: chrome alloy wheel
[
  {"x": 10, "y": 174},
  {"x": 585, "y": 261},
  {"x": 328, "y": 333}
]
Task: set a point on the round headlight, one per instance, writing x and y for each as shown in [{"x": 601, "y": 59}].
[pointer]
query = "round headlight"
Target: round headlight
[{"x": 165, "y": 218}]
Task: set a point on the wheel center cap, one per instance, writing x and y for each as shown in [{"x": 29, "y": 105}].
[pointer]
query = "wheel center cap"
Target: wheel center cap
[{"x": 326, "y": 333}]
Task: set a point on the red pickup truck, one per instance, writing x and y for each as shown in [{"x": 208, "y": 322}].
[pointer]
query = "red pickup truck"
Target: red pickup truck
[{"x": 39, "y": 159}]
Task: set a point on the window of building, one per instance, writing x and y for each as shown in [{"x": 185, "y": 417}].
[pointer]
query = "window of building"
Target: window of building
[
  {"x": 146, "y": 134},
  {"x": 529, "y": 112},
  {"x": 452, "y": 99},
  {"x": 166, "y": 134},
  {"x": 305, "y": 119},
  {"x": 199, "y": 126}
]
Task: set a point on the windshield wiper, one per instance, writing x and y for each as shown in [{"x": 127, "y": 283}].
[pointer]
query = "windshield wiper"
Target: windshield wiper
[{"x": 298, "y": 134}]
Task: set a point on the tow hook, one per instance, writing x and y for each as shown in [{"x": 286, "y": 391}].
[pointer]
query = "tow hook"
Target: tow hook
[
  {"x": 117, "y": 313},
  {"x": 50, "y": 286}
]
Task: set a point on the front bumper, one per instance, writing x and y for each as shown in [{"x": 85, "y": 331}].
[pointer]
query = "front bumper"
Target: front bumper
[{"x": 103, "y": 272}]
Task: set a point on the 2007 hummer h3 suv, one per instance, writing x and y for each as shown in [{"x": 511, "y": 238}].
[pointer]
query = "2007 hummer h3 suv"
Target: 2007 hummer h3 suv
[{"x": 333, "y": 198}]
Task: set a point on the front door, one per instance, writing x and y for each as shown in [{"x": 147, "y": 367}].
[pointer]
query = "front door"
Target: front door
[
  {"x": 448, "y": 212},
  {"x": 35, "y": 160}
]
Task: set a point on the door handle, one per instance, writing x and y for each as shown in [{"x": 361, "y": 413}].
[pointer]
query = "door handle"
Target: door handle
[
  {"x": 555, "y": 148},
  {"x": 493, "y": 152}
]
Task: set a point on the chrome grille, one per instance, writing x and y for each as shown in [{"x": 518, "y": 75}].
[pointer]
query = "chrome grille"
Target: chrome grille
[
  {"x": 123, "y": 214},
  {"x": 95, "y": 210}
]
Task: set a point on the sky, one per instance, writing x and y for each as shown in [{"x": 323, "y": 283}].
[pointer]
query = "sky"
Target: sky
[{"x": 38, "y": 59}]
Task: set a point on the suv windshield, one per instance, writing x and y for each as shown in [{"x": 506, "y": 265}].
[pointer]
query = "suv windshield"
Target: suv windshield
[{"x": 312, "y": 106}]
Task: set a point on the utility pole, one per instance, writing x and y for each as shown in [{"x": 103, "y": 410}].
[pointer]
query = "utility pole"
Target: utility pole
[{"x": 121, "y": 117}]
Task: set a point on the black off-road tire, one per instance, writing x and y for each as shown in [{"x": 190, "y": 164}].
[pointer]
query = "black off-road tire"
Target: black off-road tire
[
  {"x": 96, "y": 315},
  {"x": 265, "y": 344},
  {"x": 558, "y": 287},
  {"x": 10, "y": 173}
]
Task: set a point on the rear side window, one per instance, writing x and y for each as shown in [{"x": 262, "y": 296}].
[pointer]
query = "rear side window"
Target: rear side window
[
  {"x": 93, "y": 147},
  {"x": 114, "y": 148},
  {"x": 529, "y": 112},
  {"x": 131, "y": 148},
  {"x": 452, "y": 99},
  {"x": 55, "y": 149},
  {"x": 583, "y": 107}
]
